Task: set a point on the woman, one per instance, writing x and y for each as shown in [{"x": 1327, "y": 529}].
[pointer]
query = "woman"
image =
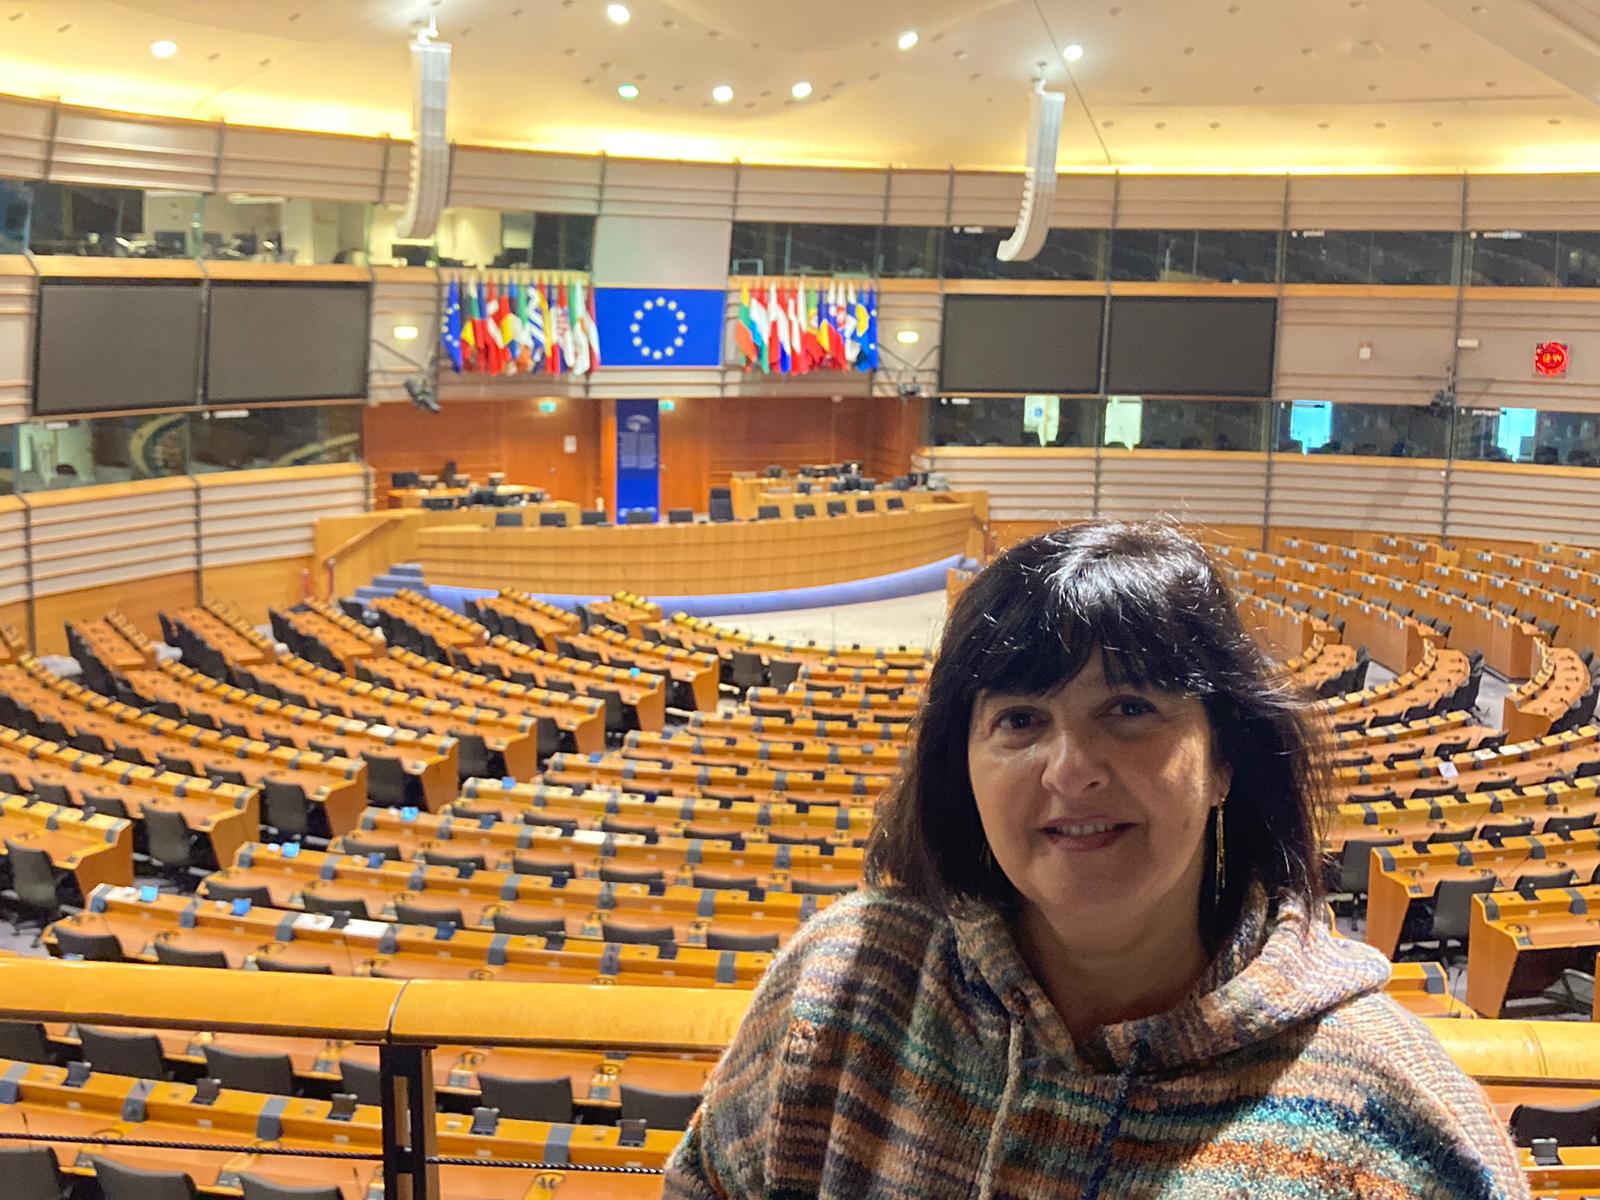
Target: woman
[{"x": 1093, "y": 960}]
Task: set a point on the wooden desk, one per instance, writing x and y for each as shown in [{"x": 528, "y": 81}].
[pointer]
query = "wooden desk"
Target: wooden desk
[
  {"x": 675, "y": 560},
  {"x": 639, "y": 700},
  {"x": 92, "y": 849},
  {"x": 1518, "y": 946}
]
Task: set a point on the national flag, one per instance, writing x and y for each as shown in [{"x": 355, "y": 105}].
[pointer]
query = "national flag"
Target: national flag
[
  {"x": 761, "y": 330},
  {"x": 472, "y": 333},
  {"x": 867, "y": 321},
  {"x": 511, "y": 326},
  {"x": 533, "y": 325},
  {"x": 808, "y": 338},
  {"x": 552, "y": 335},
  {"x": 580, "y": 363},
  {"x": 591, "y": 329},
  {"x": 497, "y": 335},
  {"x": 852, "y": 329},
  {"x": 780, "y": 329},
  {"x": 743, "y": 338},
  {"x": 563, "y": 327},
  {"x": 452, "y": 325},
  {"x": 797, "y": 336}
]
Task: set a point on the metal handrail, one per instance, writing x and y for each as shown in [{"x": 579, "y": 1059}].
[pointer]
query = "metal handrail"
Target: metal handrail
[{"x": 331, "y": 560}]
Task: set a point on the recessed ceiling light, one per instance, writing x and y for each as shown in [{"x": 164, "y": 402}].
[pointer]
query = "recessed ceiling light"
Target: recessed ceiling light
[
  {"x": 164, "y": 48},
  {"x": 722, "y": 93},
  {"x": 628, "y": 91},
  {"x": 800, "y": 90},
  {"x": 618, "y": 14},
  {"x": 908, "y": 39},
  {"x": 1073, "y": 52}
]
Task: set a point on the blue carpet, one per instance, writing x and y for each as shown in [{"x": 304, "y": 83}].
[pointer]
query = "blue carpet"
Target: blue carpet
[{"x": 914, "y": 582}]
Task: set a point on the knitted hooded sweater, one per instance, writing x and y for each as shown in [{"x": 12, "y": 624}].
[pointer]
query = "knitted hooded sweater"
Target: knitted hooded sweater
[{"x": 896, "y": 1051}]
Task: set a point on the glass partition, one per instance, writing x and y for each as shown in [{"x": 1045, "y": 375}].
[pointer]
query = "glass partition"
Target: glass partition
[
  {"x": 112, "y": 222},
  {"x": 51, "y": 455},
  {"x": 1134, "y": 423},
  {"x": 1195, "y": 255},
  {"x": 1512, "y": 258},
  {"x": 16, "y": 203},
  {"x": 1012, "y": 421},
  {"x": 910, "y": 251},
  {"x": 1334, "y": 256},
  {"x": 1066, "y": 254},
  {"x": 1527, "y": 435},
  {"x": 244, "y": 228},
  {"x": 1384, "y": 430},
  {"x": 252, "y": 439},
  {"x": 8, "y": 459}
]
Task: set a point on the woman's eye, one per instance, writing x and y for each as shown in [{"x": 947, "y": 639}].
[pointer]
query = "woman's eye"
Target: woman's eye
[
  {"x": 1015, "y": 720},
  {"x": 1132, "y": 706}
]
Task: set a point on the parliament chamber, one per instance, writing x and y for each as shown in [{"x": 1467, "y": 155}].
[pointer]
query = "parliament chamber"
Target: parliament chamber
[{"x": 463, "y": 599}]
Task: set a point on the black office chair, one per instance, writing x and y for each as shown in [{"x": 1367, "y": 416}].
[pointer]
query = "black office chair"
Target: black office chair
[
  {"x": 105, "y": 806},
  {"x": 137, "y": 1055},
  {"x": 1567, "y": 1124},
  {"x": 805, "y": 887},
  {"x": 354, "y": 907},
  {"x": 284, "y": 807},
  {"x": 272, "y": 1073},
  {"x": 804, "y": 511},
  {"x": 639, "y": 516},
  {"x": 658, "y": 1110},
  {"x": 719, "y": 506},
  {"x": 172, "y": 955},
  {"x": 504, "y": 519},
  {"x": 1498, "y": 831},
  {"x": 1452, "y": 908},
  {"x": 172, "y": 845},
  {"x": 766, "y": 943},
  {"x": 505, "y": 922},
  {"x": 866, "y": 504},
  {"x": 256, "y": 1188},
  {"x": 258, "y": 894},
  {"x": 388, "y": 851},
  {"x": 459, "y": 859},
  {"x": 680, "y": 516},
  {"x": 36, "y": 881},
  {"x": 1569, "y": 824},
  {"x": 592, "y": 516},
  {"x": 768, "y": 512},
  {"x": 408, "y": 913},
  {"x": 559, "y": 868},
  {"x": 644, "y": 875},
  {"x": 119, "y": 1182},
  {"x": 894, "y": 504},
  {"x": 91, "y": 947},
  {"x": 528, "y": 1099},
  {"x": 30, "y": 1173},
  {"x": 362, "y": 1080},
  {"x": 636, "y": 934},
  {"x": 272, "y": 964},
  {"x": 1533, "y": 881},
  {"x": 732, "y": 883},
  {"x": 557, "y": 520},
  {"x": 24, "y": 1041},
  {"x": 837, "y": 508}
]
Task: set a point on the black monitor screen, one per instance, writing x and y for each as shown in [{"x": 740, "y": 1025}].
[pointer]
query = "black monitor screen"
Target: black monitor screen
[
  {"x": 105, "y": 347},
  {"x": 1188, "y": 346},
  {"x": 273, "y": 341},
  {"x": 1030, "y": 344}
]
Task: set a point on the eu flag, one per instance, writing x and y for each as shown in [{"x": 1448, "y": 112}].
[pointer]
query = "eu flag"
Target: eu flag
[{"x": 660, "y": 327}]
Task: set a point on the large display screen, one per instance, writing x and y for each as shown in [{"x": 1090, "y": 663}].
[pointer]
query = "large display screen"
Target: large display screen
[
  {"x": 1029, "y": 344},
  {"x": 275, "y": 341},
  {"x": 1190, "y": 346},
  {"x": 107, "y": 347}
]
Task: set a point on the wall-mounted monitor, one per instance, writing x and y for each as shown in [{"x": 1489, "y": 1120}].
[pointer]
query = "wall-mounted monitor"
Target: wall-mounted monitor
[
  {"x": 109, "y": 347},
  {"x": 1029, "y": 344},
  {"x": 1191, "y": 346},
  {"x": 287, "y": 341}
]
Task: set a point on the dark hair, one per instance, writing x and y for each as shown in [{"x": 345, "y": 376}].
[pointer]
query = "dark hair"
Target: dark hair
[{"x": 1150, "y": 600}]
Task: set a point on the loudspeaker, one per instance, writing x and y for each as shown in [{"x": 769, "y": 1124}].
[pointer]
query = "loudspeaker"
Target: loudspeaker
[
  {"x": 430, "y": 148},
  {"x": 1039, "y": 183}
]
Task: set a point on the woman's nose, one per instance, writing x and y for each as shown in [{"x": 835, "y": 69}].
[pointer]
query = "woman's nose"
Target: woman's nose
[{"x": 1074, "y": 761}]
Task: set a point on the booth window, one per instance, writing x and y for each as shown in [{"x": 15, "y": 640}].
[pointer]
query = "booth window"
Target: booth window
[
  {"x": 1528, "y": 435},
  {"x": 1066, "y": 254},
  {"x": 16, "y": 203},
  {"x": 244, "y": 228},
  {"x": 113, "y": 222},
  {"x": 1534, "y": 258},
  {"x": 1137, "y": 423},
  {"x": 1194, "y": 255},
  {"x": 257, "y": 438},
  {"x": 1049, "y": 421},
  {"x": 1379, "y": 430},
  {"x": 53, "y": 455}
]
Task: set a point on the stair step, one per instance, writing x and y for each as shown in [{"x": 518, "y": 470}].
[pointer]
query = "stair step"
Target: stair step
[
  {"x": 374, "y": 593},
  {"x": 413, "y": 570}
]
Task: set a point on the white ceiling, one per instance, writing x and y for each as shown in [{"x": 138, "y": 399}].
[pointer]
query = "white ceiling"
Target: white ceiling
[{"x": 1215, "y": 85}]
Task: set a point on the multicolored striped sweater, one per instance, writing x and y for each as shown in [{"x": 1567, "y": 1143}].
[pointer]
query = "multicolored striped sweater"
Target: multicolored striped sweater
[{"x": 893, "y": 1051}]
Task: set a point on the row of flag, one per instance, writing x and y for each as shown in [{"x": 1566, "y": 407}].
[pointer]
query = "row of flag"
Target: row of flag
[
  {"x": 520, "y": 326},
  {"x": 791, "y": 330}
]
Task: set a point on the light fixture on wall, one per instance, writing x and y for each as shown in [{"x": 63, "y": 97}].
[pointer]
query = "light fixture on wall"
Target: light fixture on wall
[
  {"x": 405, "y": 333},
  {"x": 628, "y": 91},
  {"x": 908, "y": 337},
  {"x": 547, "y": 406}
]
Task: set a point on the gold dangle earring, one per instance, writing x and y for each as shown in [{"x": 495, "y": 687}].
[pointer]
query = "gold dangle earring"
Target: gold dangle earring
[{"x": 1220, "y": 876}]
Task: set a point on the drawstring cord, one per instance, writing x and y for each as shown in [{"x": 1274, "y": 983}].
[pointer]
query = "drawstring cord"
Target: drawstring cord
[{"x": 990, "y": 1169}]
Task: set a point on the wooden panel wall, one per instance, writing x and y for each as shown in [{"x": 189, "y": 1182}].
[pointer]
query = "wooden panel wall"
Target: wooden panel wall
[{"x": 702, "y": 441}]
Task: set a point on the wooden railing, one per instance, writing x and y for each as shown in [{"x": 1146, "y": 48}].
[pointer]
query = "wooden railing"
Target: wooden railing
[{"x": 354, "y": 542}]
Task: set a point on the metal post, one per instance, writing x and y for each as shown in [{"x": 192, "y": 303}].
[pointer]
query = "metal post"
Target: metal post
[{"x": 410, "y": 1138}]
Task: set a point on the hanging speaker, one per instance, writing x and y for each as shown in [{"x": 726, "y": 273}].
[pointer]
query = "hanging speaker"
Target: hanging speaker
[
  {"x": 1039, "y": 182},
  {"x": 430, "y": 147}
]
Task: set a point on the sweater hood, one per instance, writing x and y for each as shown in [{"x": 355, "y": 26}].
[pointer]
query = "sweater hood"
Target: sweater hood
[{"x": 1276, "y": 971}]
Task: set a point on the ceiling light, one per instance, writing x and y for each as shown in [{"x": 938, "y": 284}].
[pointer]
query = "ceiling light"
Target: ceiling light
[
  {"x": 908, "y": 39},
  {"x": 618, "y": 14},
  {"x": 800, "y": 90},
  {"x": 1073, "y": 52},
  {"x": 164, "y": 48},
  {"x": 405, "y": 333},
  {"x": 628, "y": 91},
  {"x": 722, "y": 93},
  {"x": 908, "y": 337}
]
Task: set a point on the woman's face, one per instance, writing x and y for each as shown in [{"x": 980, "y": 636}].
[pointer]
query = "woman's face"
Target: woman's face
[{"x": 1094, "y": 799}]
